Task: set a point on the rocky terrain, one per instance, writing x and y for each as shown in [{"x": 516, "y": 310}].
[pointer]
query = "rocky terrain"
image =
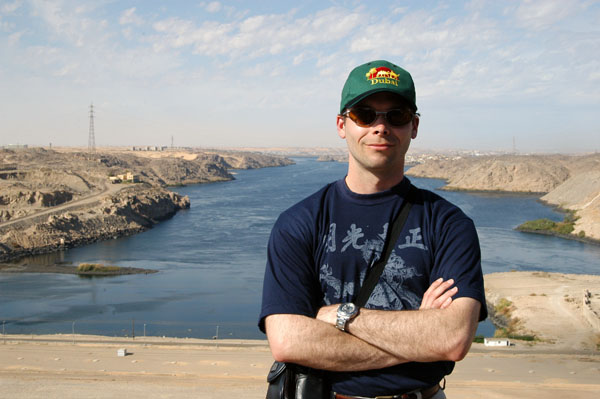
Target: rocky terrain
[
  {"x": 568, "y": 182},
  {"x": 51, "y": 200}
]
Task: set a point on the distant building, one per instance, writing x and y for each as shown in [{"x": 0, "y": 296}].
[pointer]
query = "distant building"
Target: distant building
[
  {"x": 128, "y": 177},
  {"x": 496, "y": 342},
  {"x": 133, "y": 178},
  {"x": 149, "y": 148}
]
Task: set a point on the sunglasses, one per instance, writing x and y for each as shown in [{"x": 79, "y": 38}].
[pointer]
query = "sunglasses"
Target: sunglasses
[{"x": 365, "y": 117}]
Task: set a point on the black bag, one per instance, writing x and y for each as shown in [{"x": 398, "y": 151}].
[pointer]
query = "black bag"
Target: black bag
[{"x": 291, "y": 381}]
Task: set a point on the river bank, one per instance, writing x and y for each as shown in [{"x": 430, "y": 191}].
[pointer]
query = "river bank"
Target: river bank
[{"x": 552, "y": 233}]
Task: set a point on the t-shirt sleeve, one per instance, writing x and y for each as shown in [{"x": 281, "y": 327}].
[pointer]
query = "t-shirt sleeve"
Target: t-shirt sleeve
[
  {"x": 458, "y": 256},
  {"x": 291, "y": 284}
]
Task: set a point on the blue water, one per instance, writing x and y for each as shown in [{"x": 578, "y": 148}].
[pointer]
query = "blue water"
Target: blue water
[{"x": 211, "y": 260}]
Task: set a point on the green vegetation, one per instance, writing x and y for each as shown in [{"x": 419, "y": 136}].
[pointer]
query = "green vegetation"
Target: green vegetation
[
  {"x": 547, "y": 225},
  {"x": 479, "y": 339},
  {"x": 96, "y": 268},
  {"x": 504, "y": 307},
  {"x": 506, "y": 333},
  {"x": 565, "y": 227}
]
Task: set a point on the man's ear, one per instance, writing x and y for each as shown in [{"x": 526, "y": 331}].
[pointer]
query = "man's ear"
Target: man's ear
[
  {"x": 415, "y": 127},
  {"x": 340, "y": 123}
]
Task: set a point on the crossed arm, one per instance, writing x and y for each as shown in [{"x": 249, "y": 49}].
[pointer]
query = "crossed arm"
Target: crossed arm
[{"x": 442, "y": 329}]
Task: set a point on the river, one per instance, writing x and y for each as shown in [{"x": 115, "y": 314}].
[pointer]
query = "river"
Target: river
[{"x": 211, "y": 260}]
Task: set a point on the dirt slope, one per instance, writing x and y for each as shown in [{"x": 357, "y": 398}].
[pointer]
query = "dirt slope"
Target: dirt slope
[{"x": 569, "y": 182}]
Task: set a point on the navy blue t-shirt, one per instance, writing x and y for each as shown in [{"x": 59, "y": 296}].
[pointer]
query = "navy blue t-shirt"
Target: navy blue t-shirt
[{"x": 320, "y": 249}]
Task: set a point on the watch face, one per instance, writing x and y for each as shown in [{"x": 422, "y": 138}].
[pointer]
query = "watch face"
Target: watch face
[
  {"x": 348, "y": 308},
  {"x": 345, "y": 312}
]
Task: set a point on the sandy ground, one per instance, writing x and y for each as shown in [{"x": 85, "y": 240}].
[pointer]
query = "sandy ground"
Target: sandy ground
[
  {"x": 87, "y": 366},
  {"x": 551, "y": 306}
]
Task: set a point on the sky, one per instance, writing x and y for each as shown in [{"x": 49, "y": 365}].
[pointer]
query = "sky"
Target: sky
[{"x": 489, "y": 75}]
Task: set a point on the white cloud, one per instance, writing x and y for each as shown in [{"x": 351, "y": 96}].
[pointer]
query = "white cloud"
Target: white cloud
[
  {"x": 66, "y": 70},
  {"x": 6, "y": 26},
  {"x": 257, "y": 36},
  {"x": 540, "y": 14},
  {"x": 14, "y": 38},
  {"x": 68, "y": 21},
  {"x": 298, "y": 59},
  {"x": 400, "y": 10},
  {"x": 213, "y": 6},
  {"x": 127, "y": 33},
  {"x": 9, "y": 8},
  {"x": 129, "y": 17}
]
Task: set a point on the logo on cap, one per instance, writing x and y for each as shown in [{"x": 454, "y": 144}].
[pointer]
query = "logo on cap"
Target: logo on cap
[{"x": 382, "y": 75}]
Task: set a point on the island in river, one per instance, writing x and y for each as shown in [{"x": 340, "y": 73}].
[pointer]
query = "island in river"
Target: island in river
[{"x": 85, "y": 270}]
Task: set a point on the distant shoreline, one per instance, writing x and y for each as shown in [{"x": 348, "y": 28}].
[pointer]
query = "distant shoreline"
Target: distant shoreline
[{"x": 586, "y": 240}]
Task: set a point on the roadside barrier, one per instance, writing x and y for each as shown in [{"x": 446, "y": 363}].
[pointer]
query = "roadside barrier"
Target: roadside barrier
[{"x": 133, "y": 328}]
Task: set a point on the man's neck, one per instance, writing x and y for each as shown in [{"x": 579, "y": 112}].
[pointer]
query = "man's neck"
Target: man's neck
[{"x": 371, "y": 183}]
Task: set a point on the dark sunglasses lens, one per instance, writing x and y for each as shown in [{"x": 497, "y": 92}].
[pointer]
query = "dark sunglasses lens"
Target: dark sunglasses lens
[
  {"x": 399, "y": 117},
  {"x": 362, "y": 116}
]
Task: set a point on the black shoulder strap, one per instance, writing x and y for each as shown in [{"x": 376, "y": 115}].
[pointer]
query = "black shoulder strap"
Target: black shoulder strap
[{"x": 375, "y": 271}]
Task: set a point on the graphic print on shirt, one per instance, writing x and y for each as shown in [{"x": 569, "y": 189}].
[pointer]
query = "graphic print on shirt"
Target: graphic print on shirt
[
  {"x": 330, "y": 239},
  {"x": 334, "y": 285},
  {"x": 412, "y": 241},
  {"x": 391, "y": 291}
]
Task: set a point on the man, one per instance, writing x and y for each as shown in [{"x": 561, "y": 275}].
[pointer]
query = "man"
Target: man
[{"x": 422, "y": 314}]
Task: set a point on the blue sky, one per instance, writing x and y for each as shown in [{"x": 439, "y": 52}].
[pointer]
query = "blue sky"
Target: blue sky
[{"x": 270, "y": 73}]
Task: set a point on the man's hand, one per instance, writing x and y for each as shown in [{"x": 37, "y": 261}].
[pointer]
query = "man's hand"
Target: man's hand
[
  {"x": 439, "y": 294},
  {"x": 328, "y": 314}
]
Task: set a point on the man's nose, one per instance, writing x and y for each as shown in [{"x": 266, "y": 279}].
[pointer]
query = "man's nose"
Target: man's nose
[{"x": 380, "y": 125}]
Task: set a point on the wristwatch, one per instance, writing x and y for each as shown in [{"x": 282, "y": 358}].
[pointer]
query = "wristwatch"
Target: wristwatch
[{"x": 345, "y": 313}]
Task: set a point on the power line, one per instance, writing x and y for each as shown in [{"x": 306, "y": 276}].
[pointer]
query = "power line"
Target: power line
[{"x": 91, "y": 138}]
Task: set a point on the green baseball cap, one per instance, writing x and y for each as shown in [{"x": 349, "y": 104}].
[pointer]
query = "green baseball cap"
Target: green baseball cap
[{"x": 374, "y": 77}]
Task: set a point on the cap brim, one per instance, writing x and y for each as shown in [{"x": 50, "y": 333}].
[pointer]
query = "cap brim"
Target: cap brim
[{"x": 380, "y": 90}]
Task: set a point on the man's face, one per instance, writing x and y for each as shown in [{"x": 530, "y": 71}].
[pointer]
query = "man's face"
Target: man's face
[{"x": 380, "y": 147}]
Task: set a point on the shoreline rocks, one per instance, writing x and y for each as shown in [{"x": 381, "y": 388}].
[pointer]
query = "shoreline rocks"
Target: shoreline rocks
[{"x": 131, "y": 210}]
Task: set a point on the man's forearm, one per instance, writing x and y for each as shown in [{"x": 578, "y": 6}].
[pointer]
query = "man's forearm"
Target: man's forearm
[
  {"x": 420, "y": 335},
  {"x": 313, "y": 343}
]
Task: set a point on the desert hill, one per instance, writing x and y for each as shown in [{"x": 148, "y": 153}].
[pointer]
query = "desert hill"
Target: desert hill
[
  {"x": 569, "y": 182},
  {"x": 54, "y": 199}
]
